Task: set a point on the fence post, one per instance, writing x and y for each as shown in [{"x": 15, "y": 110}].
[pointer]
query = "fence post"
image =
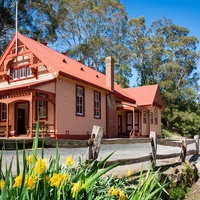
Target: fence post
[
  {"x": 94, "y": 143},
  {"x": 183, "y": 150},
  {"x": 196, "y": 138},
  {"x": 153, "y": 148}
]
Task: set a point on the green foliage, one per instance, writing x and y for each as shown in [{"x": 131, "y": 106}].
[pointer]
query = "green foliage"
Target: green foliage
[
  {"x": 183, "y": 118},
  {"x": 166, "y": 133},
  {"x": 178, "y": 192},
  {"x": 179, "y": 189},
  {"x": 149, "y": 187},
  {"x": 167, "y": 56}
]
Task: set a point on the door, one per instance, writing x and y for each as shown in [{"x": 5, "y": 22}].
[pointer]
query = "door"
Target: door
[
  {"x": 21, "y": 121},
  {"x": 119, "y": 124},
  {"x": 129, "y": 121},
  {"x": 136, "y": 122}
]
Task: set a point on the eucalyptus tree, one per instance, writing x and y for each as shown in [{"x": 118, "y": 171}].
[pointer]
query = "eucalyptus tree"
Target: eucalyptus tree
[
  {"x": 166, "y": 54},
  {"x": 93, "y": 29},
  {"x": 138, "y": 43}
]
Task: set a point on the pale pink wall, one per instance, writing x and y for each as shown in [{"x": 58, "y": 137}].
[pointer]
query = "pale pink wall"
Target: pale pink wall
[
  {"x": 50, "y": 87},
  {"x": 66, "y": 112},
  {"x": 12, "y": 115}
]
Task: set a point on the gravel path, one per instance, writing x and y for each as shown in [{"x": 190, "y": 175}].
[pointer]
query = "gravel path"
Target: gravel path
[{"x": 122, "y": 151}]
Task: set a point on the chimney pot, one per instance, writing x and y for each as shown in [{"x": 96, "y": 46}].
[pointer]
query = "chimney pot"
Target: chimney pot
[{"x": 44, "y": 43}]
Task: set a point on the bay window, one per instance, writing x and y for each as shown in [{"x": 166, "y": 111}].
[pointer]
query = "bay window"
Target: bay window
[{"x": 21, "y": 72}]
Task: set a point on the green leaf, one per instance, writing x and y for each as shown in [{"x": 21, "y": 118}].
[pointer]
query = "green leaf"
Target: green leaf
[
  {"x": 17, "y": 159},
  {"x": 91, "y": 180}
]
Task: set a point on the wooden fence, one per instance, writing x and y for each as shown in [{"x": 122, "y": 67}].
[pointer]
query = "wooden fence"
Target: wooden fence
[{"x": 93, "y": 148}]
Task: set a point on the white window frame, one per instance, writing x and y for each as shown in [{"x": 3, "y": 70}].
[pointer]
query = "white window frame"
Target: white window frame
[
  {"x": 15, "y": 74},
  {"x": 79, "y": 101},
  {"x": 29, "y": 71},
  {"x": 22, "y": 72},
  {"x": 97, "y": 105}
]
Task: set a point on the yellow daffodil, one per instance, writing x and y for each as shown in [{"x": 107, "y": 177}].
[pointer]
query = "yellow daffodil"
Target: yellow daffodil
[
  {"x": 110, "y": 190},
  {"x": 18, "y": 181},
  {"x": 75, "y": 189},
  {"x": 122, "y": 196},
  {"x": 128, "y": 172},
  {"x": 69, "y": 161},
  {"x": 57, "y": 180},
  {"x": 113, "y": 191},
  {"x": 30, "y": 159},
  {"x": 1, "y": 184},
  {"x": 30, "y": 182},
  {"x": 40, "y": 166}
]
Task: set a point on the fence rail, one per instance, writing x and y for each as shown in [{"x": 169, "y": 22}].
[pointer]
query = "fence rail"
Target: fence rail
[{"x": 94, "y": 147}]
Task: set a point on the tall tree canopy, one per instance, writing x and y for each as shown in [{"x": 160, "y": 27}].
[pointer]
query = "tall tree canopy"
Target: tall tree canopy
[
  {"x": 92, "y": 29},
  {"x": 166, "y": 54}
]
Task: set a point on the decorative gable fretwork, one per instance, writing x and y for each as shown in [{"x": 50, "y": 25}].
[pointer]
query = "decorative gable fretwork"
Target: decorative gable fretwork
[
  {"x": 20, "y": 58},
  {"x": 20, "y": 48},
  {"x": 14, "y": 96},
  {"x": 47, "y": 96}
]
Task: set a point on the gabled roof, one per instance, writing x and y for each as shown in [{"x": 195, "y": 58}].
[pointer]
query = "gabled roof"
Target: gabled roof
[
  {"x": 59, "y": 64},
  {"x": 149, "y": 95}
]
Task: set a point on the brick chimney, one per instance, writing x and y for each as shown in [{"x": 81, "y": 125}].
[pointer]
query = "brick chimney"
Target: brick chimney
[{"x": 110, "y": 72}]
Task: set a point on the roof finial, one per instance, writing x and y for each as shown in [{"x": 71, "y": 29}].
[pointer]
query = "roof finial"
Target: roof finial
[{"x": 16, "y": 27}]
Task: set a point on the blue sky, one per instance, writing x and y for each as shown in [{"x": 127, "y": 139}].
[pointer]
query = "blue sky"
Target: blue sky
[{"x": 185, "y": 13}]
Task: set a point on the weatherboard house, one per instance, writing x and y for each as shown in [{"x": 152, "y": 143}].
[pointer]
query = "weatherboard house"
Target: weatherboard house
[{"x": 69, "y": 97}]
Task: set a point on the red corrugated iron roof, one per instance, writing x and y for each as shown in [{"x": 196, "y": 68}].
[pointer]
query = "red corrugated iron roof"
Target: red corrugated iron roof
[
  {"x": 144, "y": 95},
  {"x": 57, "y": 64}
]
